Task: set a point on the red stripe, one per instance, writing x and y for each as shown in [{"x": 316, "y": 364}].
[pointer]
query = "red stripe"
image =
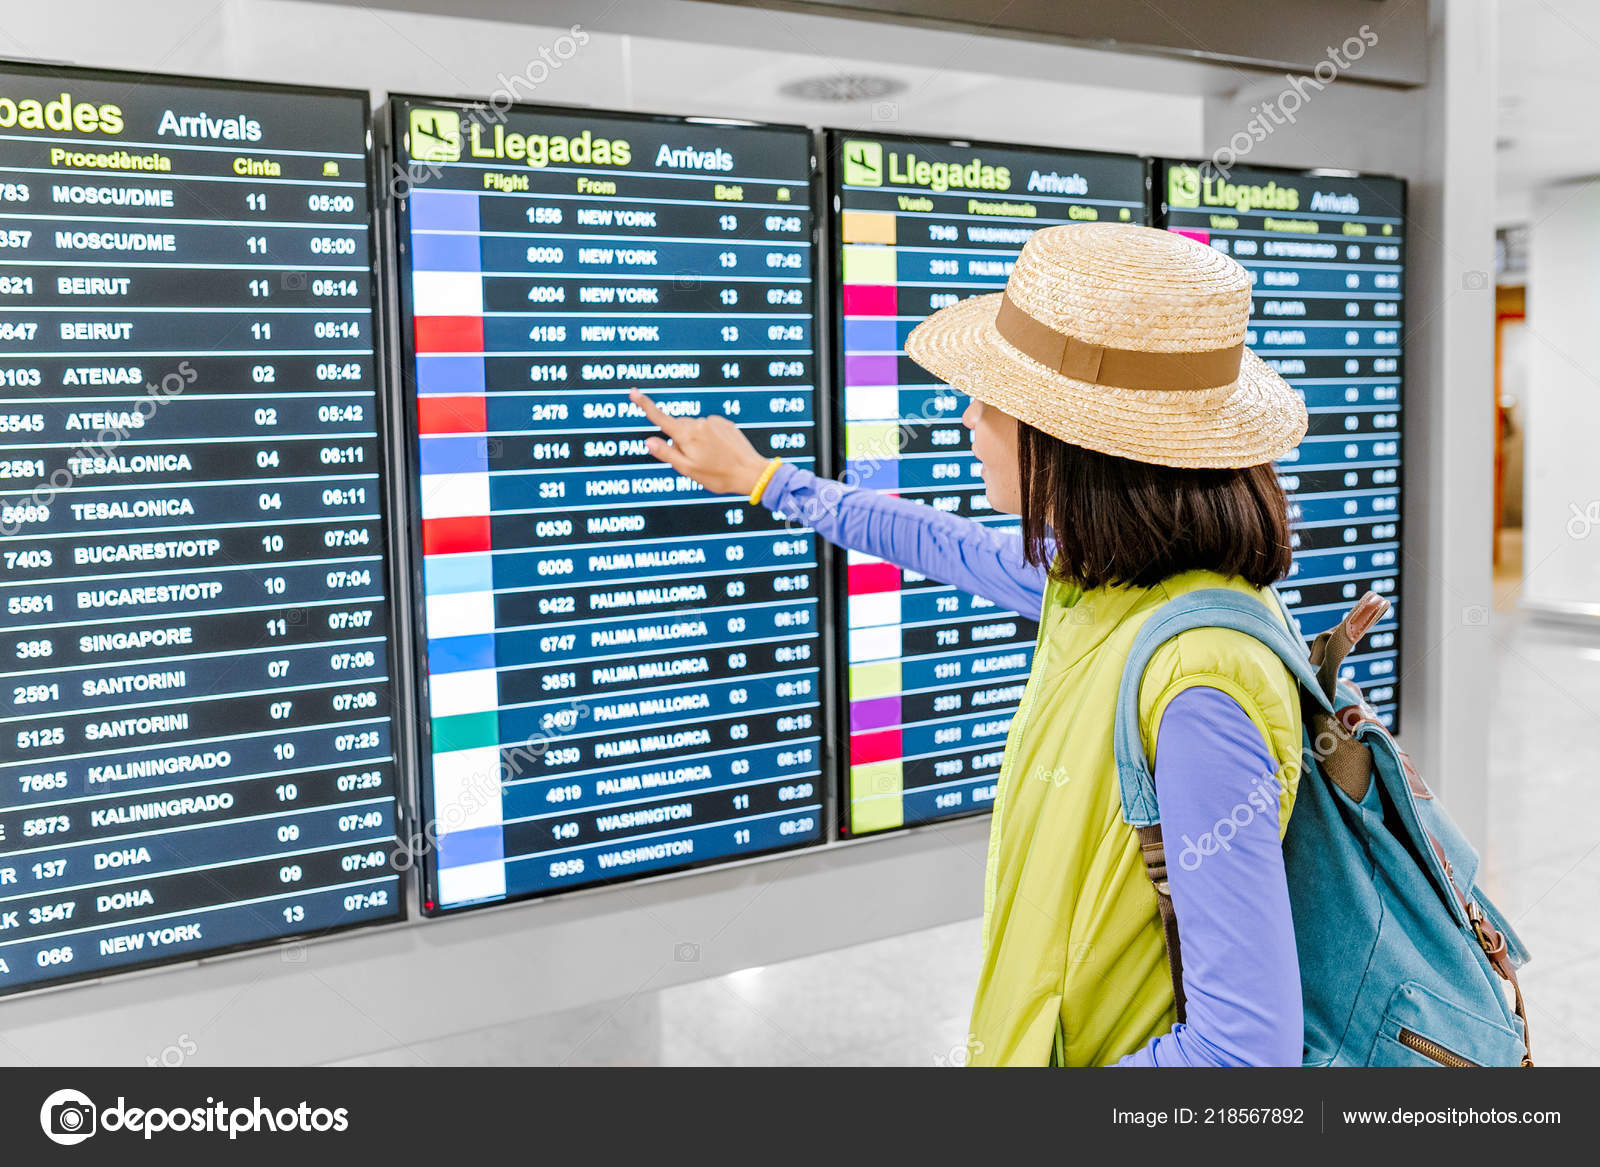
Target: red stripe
[
  {"x": 452, "y": 536},
  {"x": 449, "y": 334},
  {"x": 870, "y": 300},
  {"x": 878, "y": 746},
  {"x": 872, "y": 577},
  {"x": 453, "y": 415}
]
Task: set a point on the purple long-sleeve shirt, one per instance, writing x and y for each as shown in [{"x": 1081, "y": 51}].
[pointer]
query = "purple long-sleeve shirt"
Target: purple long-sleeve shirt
[{"x": 1241, "y": 974}]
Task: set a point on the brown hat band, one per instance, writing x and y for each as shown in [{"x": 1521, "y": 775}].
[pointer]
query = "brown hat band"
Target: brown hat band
[{"x": 1124, "y": 368}]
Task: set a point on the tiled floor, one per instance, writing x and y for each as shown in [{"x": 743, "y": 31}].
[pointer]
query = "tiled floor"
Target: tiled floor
[
  {"x": 1543, "y": 859},
  {"x": 904, "y": 1000}
]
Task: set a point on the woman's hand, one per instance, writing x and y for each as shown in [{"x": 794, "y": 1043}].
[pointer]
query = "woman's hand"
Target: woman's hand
[{"x": 711, "y": 450}]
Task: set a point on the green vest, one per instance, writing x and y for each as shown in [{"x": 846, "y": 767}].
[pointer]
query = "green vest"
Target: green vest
[{"x": 1074, "y": 962}]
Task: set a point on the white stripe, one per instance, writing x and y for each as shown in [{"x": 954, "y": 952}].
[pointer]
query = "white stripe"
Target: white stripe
[
  {"x": 446, "y": 293},
  {"x": 869, "y": 644},
  {"x": 871, "y": 609},
  {"x": 454, "y": 495},
  {"x": 475, "y": 691},
  {"x": 460, "y": 614}
]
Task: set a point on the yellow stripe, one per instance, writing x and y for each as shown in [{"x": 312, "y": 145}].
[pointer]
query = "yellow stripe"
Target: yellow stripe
[
  {"x": 871, "y": 439},
  {"x": 867, "y": 227},
  {"x": 881, "y": 679},
  {"x": 877, "y": 796},
  {"x": 869, "y": 265}
]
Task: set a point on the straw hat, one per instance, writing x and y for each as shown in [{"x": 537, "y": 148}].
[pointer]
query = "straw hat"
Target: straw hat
[{"x": 1122, "y": 339}]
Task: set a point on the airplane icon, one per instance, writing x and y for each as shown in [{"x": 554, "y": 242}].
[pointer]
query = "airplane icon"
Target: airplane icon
[{"x": 435, "y": 135}]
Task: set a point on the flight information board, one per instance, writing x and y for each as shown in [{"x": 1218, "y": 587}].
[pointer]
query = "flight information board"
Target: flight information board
[
  {"x": 193, "y": 622},
  {"x": 934, "y": 674},
  {"x": 623, "y": 670},
  {"x": 1327, "y": 255}
]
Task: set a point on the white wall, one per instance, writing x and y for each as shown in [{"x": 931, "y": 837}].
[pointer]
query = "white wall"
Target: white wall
[
  {"x": 675, "y": 70},
  {"x": 1561, "y": 510}
]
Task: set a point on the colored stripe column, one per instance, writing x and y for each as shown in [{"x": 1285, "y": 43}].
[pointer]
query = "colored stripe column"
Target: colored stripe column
[
  {"x": 458, "y": 566},
  {"x": 876, "y": 771},
  {"x": 872, "y": 447}
]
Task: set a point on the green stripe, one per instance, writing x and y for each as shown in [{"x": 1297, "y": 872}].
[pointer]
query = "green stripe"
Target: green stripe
[{"x": 466, "y": 731}]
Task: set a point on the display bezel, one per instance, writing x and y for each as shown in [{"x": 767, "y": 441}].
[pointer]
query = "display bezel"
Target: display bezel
[
  {"x": 1161, "y": 212},
  {"x": 383, "y": 427},
  {"x": 836, "y": 419},
  {"x": 405, "y": 379}
]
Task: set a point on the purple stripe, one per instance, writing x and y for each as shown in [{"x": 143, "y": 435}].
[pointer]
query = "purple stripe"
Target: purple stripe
[
  {"x": 874, "y": 714},
  {"x": 871, "y": 370}
]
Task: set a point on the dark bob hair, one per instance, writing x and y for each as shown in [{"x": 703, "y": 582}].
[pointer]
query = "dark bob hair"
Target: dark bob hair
[{"x": 1117, "y": 521}]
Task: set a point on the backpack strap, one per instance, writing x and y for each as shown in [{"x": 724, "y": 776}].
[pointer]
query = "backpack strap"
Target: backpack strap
[
  {"x": 1207, "y": 608},
  {"x": 1345, "y": 760},
  {"x": 1155, "y": 866}
]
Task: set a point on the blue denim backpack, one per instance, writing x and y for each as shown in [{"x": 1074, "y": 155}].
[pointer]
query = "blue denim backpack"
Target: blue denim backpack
[{"x": 1402, "y": 957}]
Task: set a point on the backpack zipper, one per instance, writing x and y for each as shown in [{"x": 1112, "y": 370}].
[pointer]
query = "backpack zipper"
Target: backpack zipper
[{"x": 1433, "y": 1051}]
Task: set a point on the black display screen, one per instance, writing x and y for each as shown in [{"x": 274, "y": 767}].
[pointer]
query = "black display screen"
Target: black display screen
[
  {"x": 193, "y": 621},
  {"x": 623, "y": 671},
  {"x": 1326, "y": 253},
  {"x": 933, "y": 673}
]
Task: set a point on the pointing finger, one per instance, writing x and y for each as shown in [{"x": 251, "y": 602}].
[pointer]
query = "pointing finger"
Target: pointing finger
[
  {"x": 663, "y": 422},
  {"x": 669, "y": 454}
]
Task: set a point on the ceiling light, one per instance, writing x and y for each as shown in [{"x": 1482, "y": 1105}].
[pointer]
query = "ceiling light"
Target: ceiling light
[{"x": 842, "y": 87}]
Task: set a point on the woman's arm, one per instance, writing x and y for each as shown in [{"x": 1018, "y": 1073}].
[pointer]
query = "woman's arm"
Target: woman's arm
[
  {"x": 953, "y": 550},
  {"x": 1215, "y": 776},
  {"x": 716, "y": 454}
]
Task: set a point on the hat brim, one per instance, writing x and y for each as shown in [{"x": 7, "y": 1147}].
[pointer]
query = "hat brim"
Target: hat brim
[{"x": 1256, "y": 418}]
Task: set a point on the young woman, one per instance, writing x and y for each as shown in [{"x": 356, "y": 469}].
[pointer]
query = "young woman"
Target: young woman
[{"x": 1117, "y": 411}]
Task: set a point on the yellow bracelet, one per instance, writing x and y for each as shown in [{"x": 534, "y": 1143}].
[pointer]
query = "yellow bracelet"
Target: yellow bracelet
[{"x": 761, "y": 483}]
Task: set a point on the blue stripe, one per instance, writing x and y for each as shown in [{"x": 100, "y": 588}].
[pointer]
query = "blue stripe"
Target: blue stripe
[
  {"x": 450, "y": 375},
  {"x": 444, "y": 253},
  {"x": 444, "y": 210},
  {"x": 454, "y": 454},
  {"x": 460, "y": 654},
  {"x": 478, "y": 845},
  {"x": 448, "y": 575}
]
